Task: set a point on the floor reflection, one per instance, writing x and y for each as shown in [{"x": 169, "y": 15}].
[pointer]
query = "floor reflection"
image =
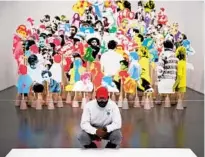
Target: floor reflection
[{"x": 159, "y": 127}]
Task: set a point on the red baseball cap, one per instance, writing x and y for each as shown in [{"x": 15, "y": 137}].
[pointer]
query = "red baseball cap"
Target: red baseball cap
[{"x": 102, "y": 92}]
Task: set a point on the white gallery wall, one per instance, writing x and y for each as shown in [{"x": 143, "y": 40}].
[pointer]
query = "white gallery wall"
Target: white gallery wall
[{"x": 189, "y": 15}]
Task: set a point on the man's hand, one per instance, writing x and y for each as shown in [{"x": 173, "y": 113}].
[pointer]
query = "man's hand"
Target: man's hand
[{"x": 101, "y": 132}]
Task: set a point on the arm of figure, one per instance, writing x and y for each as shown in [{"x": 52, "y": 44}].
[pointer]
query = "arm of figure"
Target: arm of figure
[
  {"x": 131, "y": 70},
  {"x": 116, "y": 120},
  {"x": 85, "y": 122}
]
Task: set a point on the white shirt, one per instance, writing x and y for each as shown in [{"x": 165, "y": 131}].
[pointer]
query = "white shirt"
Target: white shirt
[
  {"x": 80, "y": 86},
  {"x": 56, "y": 71},
  {"x": 94, "y": 116},
  {"x": 110, "y": 62}
]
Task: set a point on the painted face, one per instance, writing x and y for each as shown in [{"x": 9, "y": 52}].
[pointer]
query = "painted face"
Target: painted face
[
  {"x": 99, "y": 26},
  {"x": 180, "y": 39},
  {"x": 41, "y": 42},
  {"x": 119, "y": 50},
  {"x": 53, "y": 26},
  {"x": 50, "y": 51},
  {"x": 125, "y": 41},
  {"x": 124, "y": 23},
  {"x": 46, "y": 77},
  {"x": 33, "y": 66},
  {"x": 87, "y": 80},
  {"x": 94, "y": 43},
  {"x": 72, "y": 31},
  {"x": 46, "y": 56},
  {"x": 122, "y": 66}
]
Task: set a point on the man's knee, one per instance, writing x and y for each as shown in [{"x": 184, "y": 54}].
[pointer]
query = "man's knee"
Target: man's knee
[
  {"x": 84, "y": 138},
  {"x": 116, "y": 137}
]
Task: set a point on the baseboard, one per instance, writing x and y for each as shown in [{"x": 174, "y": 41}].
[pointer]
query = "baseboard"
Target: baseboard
[
  {"x": 195, "y": 91},
  {"x": 187, "y": 88},
  {"x": 7, "y": 88}
]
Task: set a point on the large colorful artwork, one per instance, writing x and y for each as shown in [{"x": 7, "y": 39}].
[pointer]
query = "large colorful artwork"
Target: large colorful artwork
[{"x": 104, "y": 43}]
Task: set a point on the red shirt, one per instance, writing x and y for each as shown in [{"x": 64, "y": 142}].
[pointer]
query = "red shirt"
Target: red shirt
[{"x": 68, "y": 64}]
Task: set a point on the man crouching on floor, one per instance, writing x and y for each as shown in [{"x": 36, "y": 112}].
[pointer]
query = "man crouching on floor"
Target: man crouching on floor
[{"x": 101, "y": 119}]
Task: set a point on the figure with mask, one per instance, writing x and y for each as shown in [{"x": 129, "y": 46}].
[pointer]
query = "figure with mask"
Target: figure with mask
[{"x": 101, "y": 119}]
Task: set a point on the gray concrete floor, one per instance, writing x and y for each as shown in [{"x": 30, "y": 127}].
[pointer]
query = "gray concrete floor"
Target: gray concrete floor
[{"x": 157, "y": 128}]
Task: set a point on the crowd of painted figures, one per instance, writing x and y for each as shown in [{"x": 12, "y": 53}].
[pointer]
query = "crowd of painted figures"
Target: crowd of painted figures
[{"x": 138, "y": 55}]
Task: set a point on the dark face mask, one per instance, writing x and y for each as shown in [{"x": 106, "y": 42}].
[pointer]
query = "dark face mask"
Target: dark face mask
[{"x": 102, "y": 102}]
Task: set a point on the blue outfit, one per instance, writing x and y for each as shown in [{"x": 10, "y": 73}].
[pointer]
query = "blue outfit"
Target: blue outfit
[
  {"x": 87, "y": 30},
  {"x": 67, "y": 27},
  {"x": 27, "y": 53},
  {"x": 149, "y": 44},
  {"x": 24, "y": 83},
  {"x": 135, "y": 71},
  {"x": 108, "y": 80},
  {"x": 97, "y": 10},
  {"x": 54, "y": 86},
  {"x": 134, "y": 68},
  {"x": 77, "y": 65},
  {"x": 189, "y": 50}
]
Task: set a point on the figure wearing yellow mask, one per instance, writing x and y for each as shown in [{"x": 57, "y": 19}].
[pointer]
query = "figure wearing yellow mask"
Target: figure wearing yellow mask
[
  {"x": 149, "y": 6},
  {"x": 80, "y": 6},
  {"x": 120, "y": 4},
  {"x": 138, "y": 38},
  {"x": 144, "y": 62}
]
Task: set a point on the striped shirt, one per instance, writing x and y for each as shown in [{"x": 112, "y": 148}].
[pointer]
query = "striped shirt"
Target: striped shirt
[{"x": 167, "y": 65}]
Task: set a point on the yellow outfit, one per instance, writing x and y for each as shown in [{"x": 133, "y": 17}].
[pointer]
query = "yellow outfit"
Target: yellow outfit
[
  {"x": 144, "y": 63},
  {"x": 72, "y": 82},
  {"x": 181, "y": 73},
  {"x": 130, "y": 85},
  {"x": 137, "y": 41}
]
